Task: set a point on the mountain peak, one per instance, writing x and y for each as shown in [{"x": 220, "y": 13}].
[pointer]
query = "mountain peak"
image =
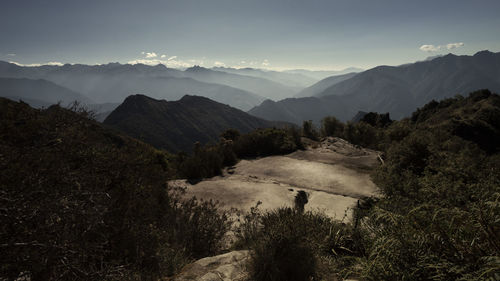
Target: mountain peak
[
  {"x": 196, "y": 68},
  {"x": 177, "y": 125},
  {"x": 483, "y": 53}
]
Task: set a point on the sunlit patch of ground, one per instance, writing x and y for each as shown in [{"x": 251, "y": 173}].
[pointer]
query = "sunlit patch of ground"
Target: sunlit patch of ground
[{"x": 334, "y": 173}]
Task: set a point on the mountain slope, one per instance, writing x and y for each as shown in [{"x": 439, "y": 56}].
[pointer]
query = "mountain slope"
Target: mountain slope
[
  {"x": 38, "y": 92},
  {"x": 112, "y": 83},
  {"x": 296, "y": 110},
  {"x": 293, "y": 80},
  {"x": 324, "y": 84},
  {"x": 258, "y": 85},
  {"x": 322, "y": 74},
  {"x": 177, "y": 125},
  {"x": 397, "y": 90}
]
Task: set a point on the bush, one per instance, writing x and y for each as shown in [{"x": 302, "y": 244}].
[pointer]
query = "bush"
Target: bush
[
  {"x": 265, "y": 142},
  {"x": 331, "y": 127},
  {"x": 80, "y": 202},
  {"x": 309, "y": 130},
  {"x": 440, "y": 213},
  {"x": 289, "y": 244}
]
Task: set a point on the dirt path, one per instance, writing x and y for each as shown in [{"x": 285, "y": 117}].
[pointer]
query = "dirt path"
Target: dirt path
[{"x": 334, "y": 173}]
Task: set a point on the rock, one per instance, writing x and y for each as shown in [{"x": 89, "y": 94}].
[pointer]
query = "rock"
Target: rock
[{"x": 225, "y": 267}]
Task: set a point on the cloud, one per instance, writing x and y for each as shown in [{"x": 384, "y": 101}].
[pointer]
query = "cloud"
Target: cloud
[
  {"x": 454, "y": 45},
  {"x": 433, "y": 48},
  {"x": 429, "y": 48},
  {"x": 265, "y": 63},
  {"x": 163, "y": 56},
  {"x": 11, "y": 55},
  {"x": 151, "y": 55},
  {"x": 171, "y": 62},
  {"x": 219, "y": 64},
  {"x": 52, "y": 63}
]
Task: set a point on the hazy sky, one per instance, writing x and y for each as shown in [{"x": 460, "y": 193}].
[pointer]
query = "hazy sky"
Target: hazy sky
[{"x": 275, "y": 34}]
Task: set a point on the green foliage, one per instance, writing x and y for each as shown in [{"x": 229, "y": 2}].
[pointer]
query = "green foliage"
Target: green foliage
[
  {"x": 361, "y": 133},
  {"x": 439, "y": 217},
  {"x": 377, "y": 120},
  {"x": 80, "y": 202},
  {"x": 309, "y": 130},
  {"x": 265, "y": 142},
  {"x": 290, "y": 244},
  {"x": 209, "y": 160},
  {"x": 231, "y": 134},
  {"x": 331, "y": 126}
]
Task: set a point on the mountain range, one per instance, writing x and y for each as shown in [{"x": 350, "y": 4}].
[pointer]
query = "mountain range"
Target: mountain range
[
  {"x": 39, "y": 93},
  {"x": 324, "y": 84},
  {"x": 296, "y": 81},
  {"x": 322, "y": 74},
  {"x": 177, "y": 125},
  {"x": 398, "y": 90}
]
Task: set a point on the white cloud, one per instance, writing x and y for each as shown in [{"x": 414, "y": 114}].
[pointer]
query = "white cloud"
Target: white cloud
[
  {"x": 53, "y": 63},
  {"x": 11, "y": 55},
  {"x": 171, "y": 62},
  {"x": 265, "y": 63},
  {"x": 429, "y": 48},
  {"x": 163, "y": 56},
  {"x": 151, "y": 55},
  {"x": 219, "y": 64},
  {"x": 434, "y": 48},
  {"x": 454, "y": 45}
]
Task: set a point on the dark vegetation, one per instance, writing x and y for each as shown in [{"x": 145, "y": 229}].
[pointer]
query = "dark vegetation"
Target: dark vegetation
[
  {"x": 176, "y": 125},
  {"x": 80, "y": 202},
  {"x": 438, "y": 217},
  {"x": 209, "y": 160}
]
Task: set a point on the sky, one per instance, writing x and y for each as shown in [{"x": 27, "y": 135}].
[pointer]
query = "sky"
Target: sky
[{"x": 272, "y": 34}]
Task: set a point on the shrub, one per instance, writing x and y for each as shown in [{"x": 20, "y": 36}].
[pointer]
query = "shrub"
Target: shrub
[
  {"x": 332, "y": 127},
  {"x": 80, "y": 202},
  {"x": 289, "y": 244},
  {"x": 265, "y": 142},
  {"x": 309, "y": 130}
]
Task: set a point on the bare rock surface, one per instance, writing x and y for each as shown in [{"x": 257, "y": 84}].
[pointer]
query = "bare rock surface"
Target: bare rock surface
[
  {"x": 333, "y": 172},
  {"x": 231, "y": 266}
]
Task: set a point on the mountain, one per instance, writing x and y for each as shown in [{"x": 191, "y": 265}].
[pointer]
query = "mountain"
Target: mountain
[
  {"x": 112, "y": 83},
  {"x": 296, "y": 110},
  {"x": 323, "y": 85},
  {"x": 38, "y": 93},
  {"x": 294, "y": 80},
  {"x": 322, "y": 74},
  {"x": 398, "y": 90},
  {"x": 177, "y": 125},
  {"x": 258, "y": 85}
]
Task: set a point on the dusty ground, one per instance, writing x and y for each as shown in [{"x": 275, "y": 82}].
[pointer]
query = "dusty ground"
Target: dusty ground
[{"x": 334, "y": 173}]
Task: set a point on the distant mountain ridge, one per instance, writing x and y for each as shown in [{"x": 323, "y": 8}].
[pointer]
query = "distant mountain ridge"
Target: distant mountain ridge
[
  {"x": 113, "y": 82},
  {"x": 324, "y": 84},
  {"x": 39, "y": 92},
  {"x": 177, "y": 125},
  {"x": 296, "y": 81},
  {"x": 398, "y": 90},
  {"x": 322, "y": 74}
]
